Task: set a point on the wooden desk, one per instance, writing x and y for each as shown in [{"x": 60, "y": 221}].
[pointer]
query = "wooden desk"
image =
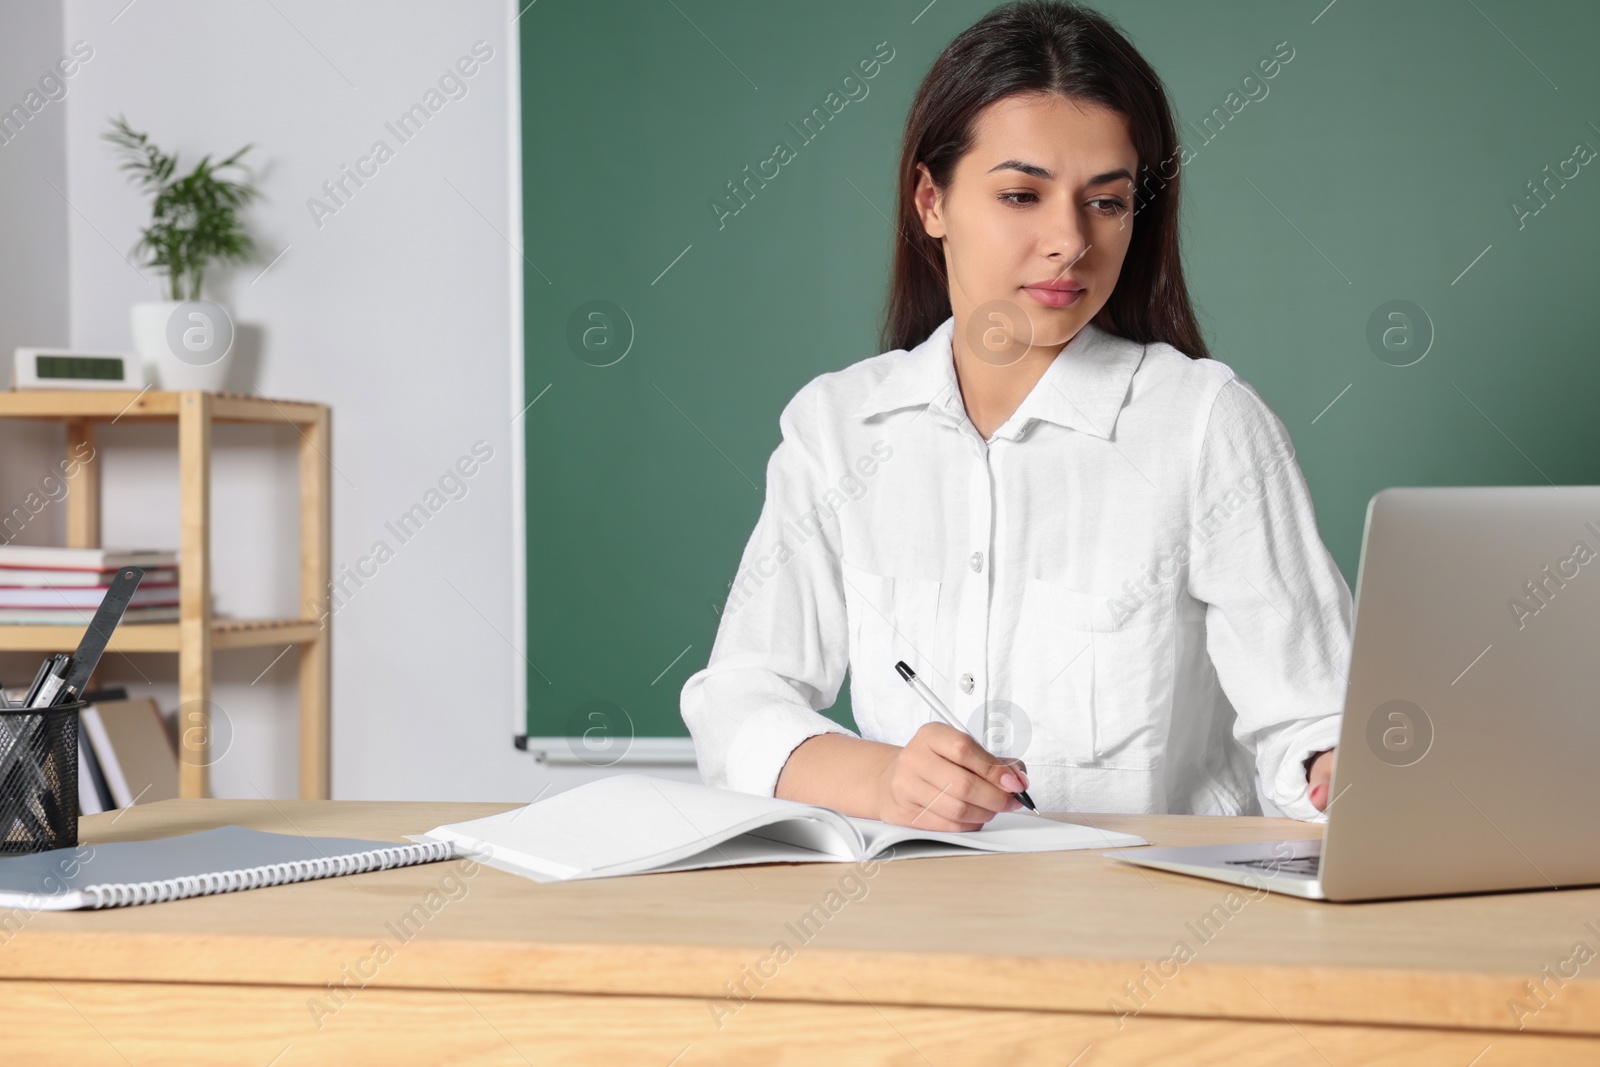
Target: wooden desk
[{"x": 991, "y": 959}]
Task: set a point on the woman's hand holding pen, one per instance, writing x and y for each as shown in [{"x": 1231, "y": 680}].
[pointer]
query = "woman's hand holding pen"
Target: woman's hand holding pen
[{"x": 944, "y": 780}]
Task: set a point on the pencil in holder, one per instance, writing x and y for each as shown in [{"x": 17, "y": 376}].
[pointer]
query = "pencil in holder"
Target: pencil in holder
[{"x": 39, "y": 778}]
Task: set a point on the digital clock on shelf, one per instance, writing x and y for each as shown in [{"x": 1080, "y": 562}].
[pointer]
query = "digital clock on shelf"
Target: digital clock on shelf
[{"x": 63, "y": 368}]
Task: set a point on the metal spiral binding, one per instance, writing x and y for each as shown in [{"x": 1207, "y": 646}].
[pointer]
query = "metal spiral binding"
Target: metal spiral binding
[{"x": 197, "y": 885}]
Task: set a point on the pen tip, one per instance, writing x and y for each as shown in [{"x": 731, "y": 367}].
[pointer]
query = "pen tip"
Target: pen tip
[
  {"x": 1026, "y": 799},
  {"x": 905, "y": 670}
]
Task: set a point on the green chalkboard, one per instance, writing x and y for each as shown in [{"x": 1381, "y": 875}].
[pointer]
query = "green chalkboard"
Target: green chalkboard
[{"x": 1389, "y": 168}]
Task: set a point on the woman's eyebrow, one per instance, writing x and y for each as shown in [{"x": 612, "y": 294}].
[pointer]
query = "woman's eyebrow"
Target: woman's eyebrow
[{"x": 1033, "y": 170}]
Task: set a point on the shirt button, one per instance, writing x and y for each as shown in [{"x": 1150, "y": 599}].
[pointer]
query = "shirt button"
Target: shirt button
[
  {"x": 966, "y": 683},
  {"x": 977, "y": 561}
]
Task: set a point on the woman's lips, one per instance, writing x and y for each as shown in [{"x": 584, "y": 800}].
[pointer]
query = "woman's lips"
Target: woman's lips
[{"x": 1054, "y": 298}]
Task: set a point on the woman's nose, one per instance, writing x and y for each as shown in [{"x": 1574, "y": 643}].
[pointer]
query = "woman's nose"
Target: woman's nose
[{"x": 1066, "y": 239}]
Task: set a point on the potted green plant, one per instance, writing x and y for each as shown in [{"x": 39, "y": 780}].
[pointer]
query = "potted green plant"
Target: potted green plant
[{"x": 184, "y": 340}]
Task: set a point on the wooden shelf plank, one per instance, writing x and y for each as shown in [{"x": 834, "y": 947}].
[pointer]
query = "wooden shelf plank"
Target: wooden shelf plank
[
  {"x": 237, "y": 407},
  {"x": 256, "y": 633},
  {"x": 150, "y": 405},
  {"x": 162, "y": 636}
]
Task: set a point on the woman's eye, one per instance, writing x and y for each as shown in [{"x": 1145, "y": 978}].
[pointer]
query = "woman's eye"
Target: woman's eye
[
  {"x": 1007, "y": 197},
  {"x": 1117, "y": 206}
]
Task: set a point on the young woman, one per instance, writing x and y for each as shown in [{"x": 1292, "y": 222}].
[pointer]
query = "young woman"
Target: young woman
[{"x": 1089, "y": 539}]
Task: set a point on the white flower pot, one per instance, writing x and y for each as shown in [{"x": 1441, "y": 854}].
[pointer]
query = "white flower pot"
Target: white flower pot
[{"x": 183, "y": 344}]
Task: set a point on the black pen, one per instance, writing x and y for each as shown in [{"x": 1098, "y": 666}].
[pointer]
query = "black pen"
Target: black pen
[
  {"x": 38, "y": 679},
  {"x": 50, "y": 689},
  {"x": 940, "y": 710},
  {"x": 47, "y": 682}
]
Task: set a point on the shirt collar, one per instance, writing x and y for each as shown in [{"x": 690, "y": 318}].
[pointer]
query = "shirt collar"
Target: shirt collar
[{"x": 1083, "y": 388}]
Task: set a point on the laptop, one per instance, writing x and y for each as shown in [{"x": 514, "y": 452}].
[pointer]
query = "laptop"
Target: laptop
[{"x": 1469, "y": 752}]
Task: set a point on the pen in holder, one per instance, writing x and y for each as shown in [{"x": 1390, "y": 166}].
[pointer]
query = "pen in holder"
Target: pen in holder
[
  {"x": 39, "y": 741},
  {"x": 39, "y": 778}
]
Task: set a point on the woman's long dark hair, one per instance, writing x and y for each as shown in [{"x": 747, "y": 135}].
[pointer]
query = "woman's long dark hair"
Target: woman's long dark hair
[{"x": 1045, "y": 46}]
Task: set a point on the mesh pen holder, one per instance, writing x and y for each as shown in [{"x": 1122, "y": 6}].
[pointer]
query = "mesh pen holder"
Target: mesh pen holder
[{"x": 39, "y": 778}]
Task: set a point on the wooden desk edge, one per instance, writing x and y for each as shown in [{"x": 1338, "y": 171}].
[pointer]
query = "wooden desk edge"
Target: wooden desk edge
[{"x": 1345, "y": 996}]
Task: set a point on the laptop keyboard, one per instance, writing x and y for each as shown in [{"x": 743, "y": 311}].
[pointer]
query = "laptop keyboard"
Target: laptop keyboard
[{"x": 1306, "y": 865}]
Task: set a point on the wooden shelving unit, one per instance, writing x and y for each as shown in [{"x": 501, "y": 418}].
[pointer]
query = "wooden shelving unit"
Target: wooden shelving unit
[{"x": 196, "y": 634}]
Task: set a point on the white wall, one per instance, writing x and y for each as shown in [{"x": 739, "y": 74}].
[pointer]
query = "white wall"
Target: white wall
[
  {"x": 33, "y": 252},
  {"x": 400, "y": 310}
]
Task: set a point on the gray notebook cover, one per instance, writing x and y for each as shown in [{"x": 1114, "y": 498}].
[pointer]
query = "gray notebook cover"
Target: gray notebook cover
[{"x": 210, "y": 861}]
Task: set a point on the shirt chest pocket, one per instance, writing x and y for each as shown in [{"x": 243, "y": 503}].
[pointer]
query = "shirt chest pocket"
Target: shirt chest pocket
[
  {"x": 890, "y": 618},
  {"x": 1099, "y": 678}
]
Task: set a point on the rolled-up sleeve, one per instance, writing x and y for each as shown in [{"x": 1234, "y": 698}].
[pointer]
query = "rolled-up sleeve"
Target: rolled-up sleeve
[
  {"x": 782, "y": 644},
  {"x": 1278, "y": 610}
]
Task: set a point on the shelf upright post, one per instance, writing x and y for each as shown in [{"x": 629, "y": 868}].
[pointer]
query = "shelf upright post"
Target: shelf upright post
[
  {"x": 83, "y": 487},
  {"x": 315, "y": 573},
  {"x": 194, "y": 594}
]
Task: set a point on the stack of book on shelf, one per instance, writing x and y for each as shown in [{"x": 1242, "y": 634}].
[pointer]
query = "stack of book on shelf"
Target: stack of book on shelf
[{"x": 65, "y": 585}]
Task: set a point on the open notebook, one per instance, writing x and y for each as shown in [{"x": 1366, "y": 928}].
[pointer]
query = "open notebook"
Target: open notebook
[
  {"x": 636, "y": 823},
  {"x": 191, "y": 865}
]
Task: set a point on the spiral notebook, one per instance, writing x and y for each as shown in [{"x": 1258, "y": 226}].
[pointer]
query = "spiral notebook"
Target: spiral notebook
[{"x": 223, "y": 860}]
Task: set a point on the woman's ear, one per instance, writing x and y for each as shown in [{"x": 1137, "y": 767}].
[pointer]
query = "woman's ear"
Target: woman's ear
[{"x": 927, "y": 200}]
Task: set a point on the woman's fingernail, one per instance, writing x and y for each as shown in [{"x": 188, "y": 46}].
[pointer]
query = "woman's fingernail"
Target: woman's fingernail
[{"x": 1011, "y": 782}]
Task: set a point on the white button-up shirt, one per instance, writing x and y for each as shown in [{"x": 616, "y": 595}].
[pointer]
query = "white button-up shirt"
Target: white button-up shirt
[{"x": 1124, "y": 586}]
